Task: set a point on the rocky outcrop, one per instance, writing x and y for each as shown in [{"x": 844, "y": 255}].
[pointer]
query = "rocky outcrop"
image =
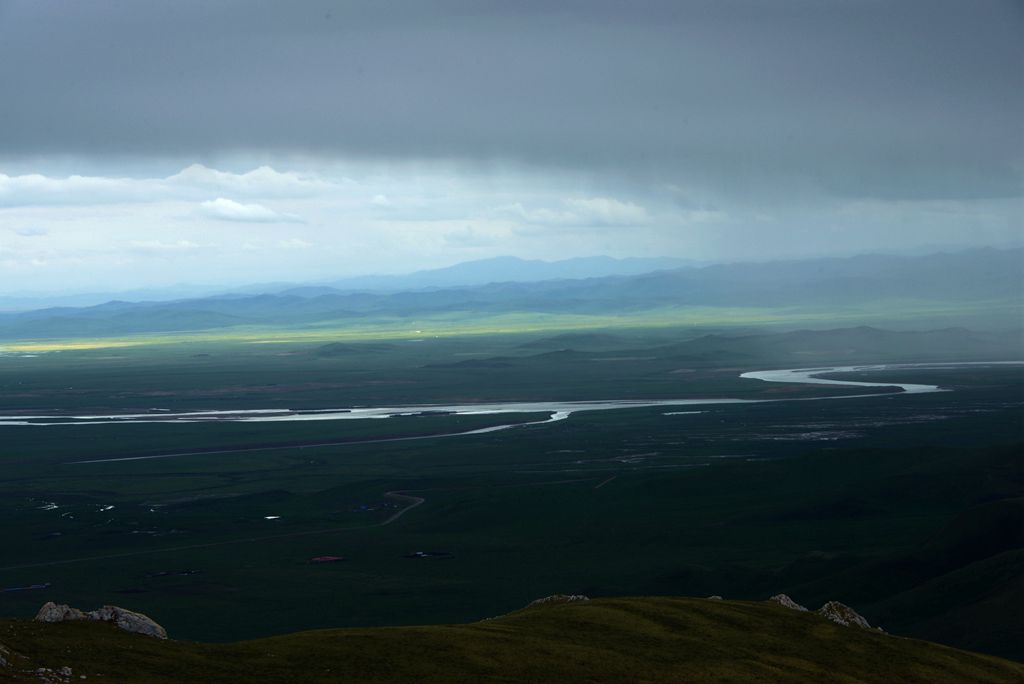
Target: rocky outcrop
[
  {"x": 837, "y": 612},
  {"x": 128, "y": 620},
  {"x": 787, "y": 602},
  {"x": 48, "y": 675},
  {"x": 58, "y": 612},
  {"x": 558, "y": 598},
  {"x": 842, "y": 614}
]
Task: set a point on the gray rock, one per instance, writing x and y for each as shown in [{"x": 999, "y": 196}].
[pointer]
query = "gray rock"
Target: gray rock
[
  {"x": 58, "y": 612},
  {"x": 842, "y": 614},
  {"x": 716, "y": 597},
  {"x": 559, "y": 598},
  {"x": 787, "y": 602},
  {"x": 128, "y": 620}
]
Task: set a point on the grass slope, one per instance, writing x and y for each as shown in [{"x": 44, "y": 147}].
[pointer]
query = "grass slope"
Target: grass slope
[{"x": 607, "y": 640}]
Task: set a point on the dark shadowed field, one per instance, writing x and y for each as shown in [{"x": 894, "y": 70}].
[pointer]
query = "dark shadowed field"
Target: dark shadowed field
[{"x": 904, "y": 506}]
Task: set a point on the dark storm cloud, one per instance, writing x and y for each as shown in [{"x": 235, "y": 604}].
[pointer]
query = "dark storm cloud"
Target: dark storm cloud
[{"x": 858, "y": 98}]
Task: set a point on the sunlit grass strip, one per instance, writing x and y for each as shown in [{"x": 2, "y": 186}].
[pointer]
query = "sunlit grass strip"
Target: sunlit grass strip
[{"x": 468, "y": 323}]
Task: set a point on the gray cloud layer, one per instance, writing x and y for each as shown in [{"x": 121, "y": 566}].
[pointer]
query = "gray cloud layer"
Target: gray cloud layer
[{"x": 900, "y": 100}]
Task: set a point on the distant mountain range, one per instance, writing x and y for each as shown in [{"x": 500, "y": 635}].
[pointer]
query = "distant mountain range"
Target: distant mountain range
[
  {"x": 480, "y": 272},
  {"x": 960, "y": 280},
  {"x": 509, "y": 269}
]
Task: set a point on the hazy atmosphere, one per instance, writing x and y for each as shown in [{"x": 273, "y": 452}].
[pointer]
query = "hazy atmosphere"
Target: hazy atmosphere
[
  {"x": 465, "y": 340},
  {"x": 149, "y": 143}
]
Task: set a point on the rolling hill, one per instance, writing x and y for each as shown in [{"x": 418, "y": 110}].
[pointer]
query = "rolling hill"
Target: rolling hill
[
  {"x": 606, "y": 640},
  {"x": 983, "y": 282}
]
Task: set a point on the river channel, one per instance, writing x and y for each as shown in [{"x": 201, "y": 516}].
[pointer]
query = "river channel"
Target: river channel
[{"x": 558, "y": 410}]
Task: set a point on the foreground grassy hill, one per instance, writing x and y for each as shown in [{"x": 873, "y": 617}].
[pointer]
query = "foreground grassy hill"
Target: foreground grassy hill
[{"x": 606, "y": 640}]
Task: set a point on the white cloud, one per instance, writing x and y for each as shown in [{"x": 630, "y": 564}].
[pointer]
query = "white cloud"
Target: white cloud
[
  {"x": 607, "y": 211},
  {"x": 260, "y": 182},
  {"x": 193, "y": 182},
  {"x": 294, "y": 243},
  {"x": 224, "y": 209},
  {"x": 470, "y": 237},
  {"x": 589, "y": 211},
  {"x": 36, "y": 189},
  {"x": 696, "y": 216},
  {"x": 112, "y": 232},
  {"x": 158, "y": 247}
]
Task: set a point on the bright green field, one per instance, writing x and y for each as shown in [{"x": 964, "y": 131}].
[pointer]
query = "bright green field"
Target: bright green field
[{"x": 905, "y": 314}]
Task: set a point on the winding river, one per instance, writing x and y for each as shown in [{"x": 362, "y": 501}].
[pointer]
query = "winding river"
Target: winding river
[{"x": 558, "y": 410}]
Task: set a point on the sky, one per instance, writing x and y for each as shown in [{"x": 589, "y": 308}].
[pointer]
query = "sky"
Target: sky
[{"x": 145, "y": 143}]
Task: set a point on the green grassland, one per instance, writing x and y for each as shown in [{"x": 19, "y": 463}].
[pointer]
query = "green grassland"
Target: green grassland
[
  {"x": 904, "y": 314},
  {"x": 976, "y": 288},
  {"x": 618, "y": 363},
  {"x": 607, "y": 640},
  {"x": 902, "y": 506}
]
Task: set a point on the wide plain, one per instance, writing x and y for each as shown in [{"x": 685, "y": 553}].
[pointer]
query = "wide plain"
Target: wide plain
[{"x": 906, "y": 507}]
